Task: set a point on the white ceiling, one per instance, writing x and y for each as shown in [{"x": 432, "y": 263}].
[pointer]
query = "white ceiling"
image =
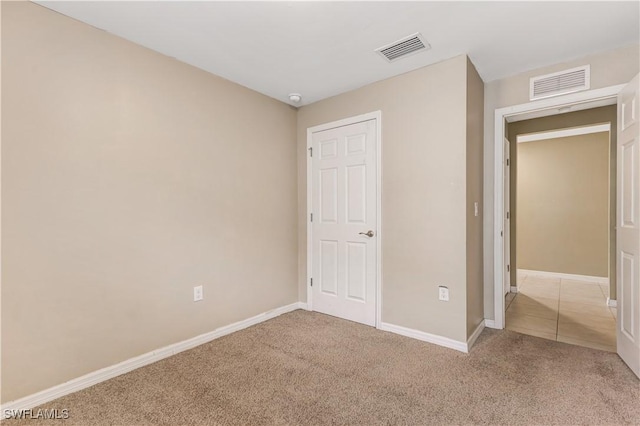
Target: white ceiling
[{"x": 321, "y": 49}]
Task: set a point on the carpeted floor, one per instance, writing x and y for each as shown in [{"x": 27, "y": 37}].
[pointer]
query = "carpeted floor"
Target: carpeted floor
[{"x": 306, "y": 368}]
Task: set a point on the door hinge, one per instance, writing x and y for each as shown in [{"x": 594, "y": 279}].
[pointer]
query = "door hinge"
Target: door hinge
[
  {"x": 311, "y": 217},
  {"x": 508, "y": 268},
  {"x": 501, "y": 233},
  {"x": 311, "y": 282},
  {"x": 508, "y": 216},
  {"x": 310, "y": 151},
  {"x": 507, "y": 161}
]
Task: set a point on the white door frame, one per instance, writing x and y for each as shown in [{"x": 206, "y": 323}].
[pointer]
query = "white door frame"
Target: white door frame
[
  {"x": 502, "y": 114},
  {"x": 506, "y": 181},
  {"x": 377, "y": 116}
]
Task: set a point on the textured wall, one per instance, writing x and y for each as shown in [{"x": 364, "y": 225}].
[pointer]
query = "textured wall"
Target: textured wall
[
  {"x": 127, "y": 179},
  {"x": 424, "y": 204}
]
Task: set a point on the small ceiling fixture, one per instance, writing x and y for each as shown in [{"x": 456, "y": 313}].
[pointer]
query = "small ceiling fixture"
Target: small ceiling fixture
[{"x": 295, "y": 97}]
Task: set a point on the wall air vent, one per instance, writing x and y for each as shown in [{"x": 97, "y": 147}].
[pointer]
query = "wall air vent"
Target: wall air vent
[
  {"x": 559, "y": 83},
  {"x": 404, "y": 47}
]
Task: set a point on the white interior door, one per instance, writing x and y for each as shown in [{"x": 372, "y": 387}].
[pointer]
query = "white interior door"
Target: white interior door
[
  {"x": 507, "y": 227},
  {"x": 628, "y": 226},
  {"x": 344, "y": 198}
]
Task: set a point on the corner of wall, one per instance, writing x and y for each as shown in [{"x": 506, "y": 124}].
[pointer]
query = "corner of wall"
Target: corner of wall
[
  {"x": 474, "y": 194},
  {"x": 138, "y": 202}
]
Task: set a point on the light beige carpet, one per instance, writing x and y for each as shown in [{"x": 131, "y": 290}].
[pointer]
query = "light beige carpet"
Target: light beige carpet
[{"x": 311, "y": 369}]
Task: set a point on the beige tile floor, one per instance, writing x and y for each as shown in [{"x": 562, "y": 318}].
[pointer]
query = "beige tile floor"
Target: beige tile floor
[{"x": 568, "y": 311}]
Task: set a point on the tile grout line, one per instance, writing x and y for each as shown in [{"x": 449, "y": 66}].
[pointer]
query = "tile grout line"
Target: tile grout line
[{"x": 585, "y": 341}]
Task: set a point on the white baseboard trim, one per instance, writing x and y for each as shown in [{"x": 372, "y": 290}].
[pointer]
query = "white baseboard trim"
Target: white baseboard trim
[
  {"x": 590, "y": 279},
  {"x": 612, "y": 303},
  {"x": 474, "y": 336},
  {"x": 131, "y": 364},
  {"x": 514, "y": 289},
  {"x": 303, "y": 305},
  {"x": 425, "y": 337},
  {"x": 489, "y": 323}
]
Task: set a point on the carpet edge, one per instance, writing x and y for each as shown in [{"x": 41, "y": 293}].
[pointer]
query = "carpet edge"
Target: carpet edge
[{"x": 106, "y": 373}]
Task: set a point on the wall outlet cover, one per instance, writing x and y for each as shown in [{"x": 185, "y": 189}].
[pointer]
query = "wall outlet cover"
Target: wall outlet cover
[{"x": 198, "y": 293}]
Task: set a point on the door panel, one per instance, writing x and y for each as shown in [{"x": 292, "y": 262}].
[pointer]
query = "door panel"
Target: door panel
[
  {"x": 328, "y": 267},
  {"x": 357, "y": 271},
  {"x": 329, "y": 149},
  {"x": 328, "y": 195},
  {"x": 626, "y": 293},
  {"x": 628, "y": 249},
  {"x": 356, "y": 194},
  {"x": 344, "y": 194},
  {"x": 356, "y": 144},
  {"x": 628, "y": 184}
]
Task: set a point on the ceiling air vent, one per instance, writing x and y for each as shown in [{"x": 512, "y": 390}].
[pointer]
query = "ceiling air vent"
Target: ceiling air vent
[
  {"x": 559, "y": 83},
  {"x": 404, "y": 47}
]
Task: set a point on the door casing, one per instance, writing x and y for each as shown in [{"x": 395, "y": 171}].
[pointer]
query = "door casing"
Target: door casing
[
  {"x": 502, "y": 114},
  {"x": 507, "y": 224},
  {"x": 377, "y": 116}
]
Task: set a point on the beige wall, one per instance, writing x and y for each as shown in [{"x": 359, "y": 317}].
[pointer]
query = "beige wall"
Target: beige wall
[
  {"x": 563, "y": 205},
  {"x": 607, "y": 69},
  {"x": 475, "y": 286},
  {"x": 127, "y": 179},
  {"x": 606, "y": 114},
  {"x": 424, "y": 203}
]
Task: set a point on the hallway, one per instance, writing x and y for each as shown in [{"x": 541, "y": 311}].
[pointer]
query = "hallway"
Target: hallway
[{"x": 568, "y": 311}]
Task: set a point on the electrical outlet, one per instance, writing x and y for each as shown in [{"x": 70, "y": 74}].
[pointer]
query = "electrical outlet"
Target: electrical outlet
[
  {"x": 443, "y": 293},
  {"x": 198, "y": 293}
]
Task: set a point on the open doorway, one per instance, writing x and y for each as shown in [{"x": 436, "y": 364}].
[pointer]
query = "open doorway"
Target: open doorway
[
  {"x": 627, "y": 202},
  {"x": 561, "y": 222}
]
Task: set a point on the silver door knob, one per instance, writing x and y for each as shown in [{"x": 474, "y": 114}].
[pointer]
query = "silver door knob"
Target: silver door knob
[{"x": 369, "y": 233}]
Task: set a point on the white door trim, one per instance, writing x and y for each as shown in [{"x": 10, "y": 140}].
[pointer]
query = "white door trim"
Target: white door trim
[
  {"x": 377, "y": 116},
  {"x": 506, "y": 182},
  {"x": 502, "y": 114},
  {"x": 563, "y": 133}
]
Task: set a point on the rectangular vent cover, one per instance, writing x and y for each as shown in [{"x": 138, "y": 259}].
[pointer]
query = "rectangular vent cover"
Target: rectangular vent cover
[
  {"x": 404, "y": 47},
  {"x": 559, "y": 83}
]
